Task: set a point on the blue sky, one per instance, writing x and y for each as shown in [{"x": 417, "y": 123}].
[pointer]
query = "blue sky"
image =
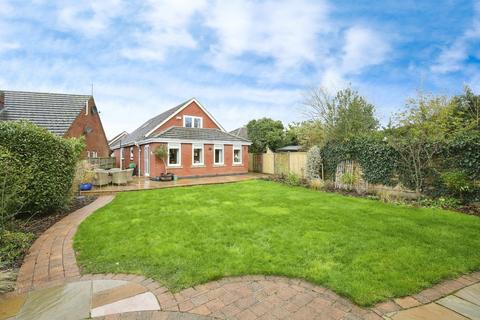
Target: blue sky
[{"x": 241, "y": 59}]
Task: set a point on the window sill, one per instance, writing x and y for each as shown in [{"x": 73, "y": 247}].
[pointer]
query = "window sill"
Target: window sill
[
  {"x": 237, "y": 165},
  {"x": 198, "y": 166},
  {"x": 175, "y": 167},
  {"x": 219, "y": 165}
]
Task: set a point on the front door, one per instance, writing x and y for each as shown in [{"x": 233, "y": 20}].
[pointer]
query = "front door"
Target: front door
[{"x": 146, "y": 158}]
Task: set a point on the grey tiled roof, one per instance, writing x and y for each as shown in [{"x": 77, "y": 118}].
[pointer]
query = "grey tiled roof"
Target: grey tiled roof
[
  {"x": 53, "y": 111},
  {"x": 199, "y": 134},
  {"x": 241, "y": 132},
  {"x": 290, "y": 148},
  {"x": 139, "y": 133}
]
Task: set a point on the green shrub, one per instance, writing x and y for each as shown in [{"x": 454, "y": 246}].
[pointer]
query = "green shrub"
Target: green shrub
[
  {"x": 442, "y": 202},
  {"x": 293, "y": 180},
  {"x": 13, "y": 246},
  {"x": 457, "y": 182},
  {"x": 13, "y": 185},
  {"x": 49, "y": 159}
]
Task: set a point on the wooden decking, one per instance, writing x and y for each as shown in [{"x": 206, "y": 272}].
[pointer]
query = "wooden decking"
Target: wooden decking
[{"x": 142, "y": 183}]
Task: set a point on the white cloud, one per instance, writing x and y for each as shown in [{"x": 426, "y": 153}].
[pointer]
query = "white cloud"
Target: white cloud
[
  {"x": 167, "y": 26},
  {"x": 362, "y": 47},
  {"x": 452, "y": 58},
  {"x": 88, "y": 17},
  {"x": 7, "y": 41},
  {"x": 285, "y": 31}
]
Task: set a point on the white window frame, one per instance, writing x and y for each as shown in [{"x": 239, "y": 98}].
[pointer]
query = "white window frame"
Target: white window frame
[
  {"x": 193, "y": 121},
  {"x": 131, "y": 153},
  {"x": 219, "y": 147},
  {"x": 237, "y": 147},
  {"x": 175, "y": 146},
  {"x": 198, "y": 146},
  {"x": 122, "y": 153}
]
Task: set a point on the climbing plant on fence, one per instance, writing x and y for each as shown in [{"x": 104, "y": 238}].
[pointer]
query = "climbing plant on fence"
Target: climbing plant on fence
[{"x": 377, "y": 159}]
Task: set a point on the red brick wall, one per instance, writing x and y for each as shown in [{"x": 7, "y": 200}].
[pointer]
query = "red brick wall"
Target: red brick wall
[
  {"x": 191, "y": 110},
  {"x": 187, "y": 169},
  {"x": 96, "y": 139}
]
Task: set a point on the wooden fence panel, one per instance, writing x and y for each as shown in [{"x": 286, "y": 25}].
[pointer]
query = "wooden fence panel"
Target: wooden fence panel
[
  {"x": 268, "y": 163},
  {"x": 282, "y": 163},
  {"x": 298, "y": 163},
  {"x": 278, "y": 163}
]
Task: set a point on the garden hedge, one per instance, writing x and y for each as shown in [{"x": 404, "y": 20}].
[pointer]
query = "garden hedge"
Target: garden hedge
[{"x": 49, "y": 161}]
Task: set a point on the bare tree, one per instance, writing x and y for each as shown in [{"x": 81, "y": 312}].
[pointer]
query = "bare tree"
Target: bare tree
[{"x": 320, "y": 105}]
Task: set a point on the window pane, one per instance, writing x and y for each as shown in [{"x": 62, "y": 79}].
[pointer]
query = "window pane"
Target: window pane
[
  {"x": 188, "y": 122},
  {"x": 196, "y": 122},
  {"x": 197, "y": 155},
  {"x": 218, "y": 156},
  {"x": 173, "y": 156},
  {"x": 236, "y": 156}
]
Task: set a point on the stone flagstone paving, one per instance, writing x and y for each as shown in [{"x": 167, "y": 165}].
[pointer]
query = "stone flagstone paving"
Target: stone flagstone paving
[{"x": 49, "y": 286}]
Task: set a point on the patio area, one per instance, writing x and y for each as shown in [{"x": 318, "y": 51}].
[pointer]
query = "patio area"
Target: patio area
[{"x": 143, "y": 183}]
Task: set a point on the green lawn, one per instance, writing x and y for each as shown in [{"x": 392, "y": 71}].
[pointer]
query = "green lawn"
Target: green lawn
[{"x": 362, "y": 249}]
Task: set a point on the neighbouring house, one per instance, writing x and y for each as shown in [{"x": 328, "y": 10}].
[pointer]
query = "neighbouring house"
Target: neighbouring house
[
  {"x": 196, "y": 145},
  {"x": 67, "y": 115},
  {"x": 115, "y": 140},
  {"x": 241, "y": 132}
]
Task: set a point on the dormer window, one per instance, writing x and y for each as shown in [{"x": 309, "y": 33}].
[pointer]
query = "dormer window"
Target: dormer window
[{"x": 192, "y": 122}]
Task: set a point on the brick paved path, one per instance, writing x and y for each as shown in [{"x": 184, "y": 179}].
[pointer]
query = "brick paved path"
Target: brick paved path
[{"x": 51, "y": 261}]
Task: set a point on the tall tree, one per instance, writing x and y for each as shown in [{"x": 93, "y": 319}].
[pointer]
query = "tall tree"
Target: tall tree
[
  {"x": 468, "y": 108},
  {"x": 265, "y": 133},
  {"x": 418, "y": 134},
  {"x": 355, "y": 115},
  {"x": 307, "y": 134},
  {"x": 342, "y": 116}
]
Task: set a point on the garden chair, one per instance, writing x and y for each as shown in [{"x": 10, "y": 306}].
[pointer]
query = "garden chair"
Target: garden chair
[
  {"x": 101, "y": 177},
  {"x": 119, "y": 177}
]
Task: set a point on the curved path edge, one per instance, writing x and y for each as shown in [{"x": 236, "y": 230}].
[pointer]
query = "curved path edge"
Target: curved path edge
[{"x": 51, "y": 261}]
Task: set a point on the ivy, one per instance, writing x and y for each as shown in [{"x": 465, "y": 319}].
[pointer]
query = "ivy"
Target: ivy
[{"x": 377, "y": 159}]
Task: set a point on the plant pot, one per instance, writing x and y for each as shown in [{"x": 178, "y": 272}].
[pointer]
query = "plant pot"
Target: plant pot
[
  {"x": 166, "y": 177},
  {"x": 85, "y": 186}
]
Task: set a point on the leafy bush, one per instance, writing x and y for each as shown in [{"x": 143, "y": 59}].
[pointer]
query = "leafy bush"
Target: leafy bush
[
  {"x": 13, "y": 179},
  {"x": 13, "y": 246},
  {"x": 441, "y": 202},
  {"x": 293, "y": 180},
  {"x": 314, "y": 163},
  {"x": 49, "y": 159},
  {"x": 457, "y": 181}
]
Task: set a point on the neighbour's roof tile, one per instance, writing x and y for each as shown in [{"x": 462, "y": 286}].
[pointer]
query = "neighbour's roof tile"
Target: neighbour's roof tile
[
  {"x": 53, "y": 111},
  {"x": 241, "y": 132}
]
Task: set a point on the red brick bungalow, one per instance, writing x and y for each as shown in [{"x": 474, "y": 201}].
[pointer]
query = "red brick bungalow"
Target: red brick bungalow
[
  {"x": 197, "y": 145},
  {"x": 67, "y": 115}
]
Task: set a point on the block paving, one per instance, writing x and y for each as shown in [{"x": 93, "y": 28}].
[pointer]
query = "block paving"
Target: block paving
[{"x": 51, "y": 262}]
